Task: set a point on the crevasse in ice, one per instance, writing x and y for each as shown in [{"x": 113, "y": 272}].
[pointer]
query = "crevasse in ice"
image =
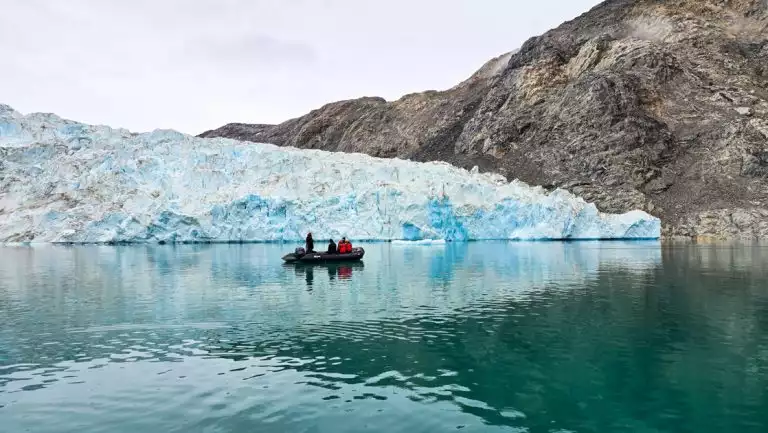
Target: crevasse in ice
[{"x": 62, "y": 181}]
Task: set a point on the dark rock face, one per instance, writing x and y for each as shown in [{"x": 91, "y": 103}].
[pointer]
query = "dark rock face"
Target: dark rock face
[{"x": 660, "y": 105}]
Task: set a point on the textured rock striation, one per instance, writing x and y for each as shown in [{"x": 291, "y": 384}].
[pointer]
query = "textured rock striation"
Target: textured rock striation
[{"x": 660, "y": 105}]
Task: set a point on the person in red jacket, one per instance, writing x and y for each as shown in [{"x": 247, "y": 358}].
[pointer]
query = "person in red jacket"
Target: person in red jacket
[{"x": 345, "y": 247}]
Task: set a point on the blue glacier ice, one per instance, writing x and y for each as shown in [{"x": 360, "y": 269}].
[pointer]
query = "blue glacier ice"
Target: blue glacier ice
[{"x": 62, "y": 181}]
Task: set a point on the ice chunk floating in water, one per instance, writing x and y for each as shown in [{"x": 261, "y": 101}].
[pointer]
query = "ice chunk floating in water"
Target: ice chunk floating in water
[{"x": 62, "y": 181}]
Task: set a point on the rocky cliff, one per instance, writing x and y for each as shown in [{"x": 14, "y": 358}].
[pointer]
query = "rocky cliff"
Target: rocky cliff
[{"x": 660, "y": 105}]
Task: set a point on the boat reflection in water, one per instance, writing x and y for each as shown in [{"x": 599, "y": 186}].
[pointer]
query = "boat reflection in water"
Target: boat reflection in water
[{"x": 335, "y": 271}]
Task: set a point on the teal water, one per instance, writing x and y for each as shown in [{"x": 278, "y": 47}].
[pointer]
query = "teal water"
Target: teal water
[{"x": 479, "y": 337}]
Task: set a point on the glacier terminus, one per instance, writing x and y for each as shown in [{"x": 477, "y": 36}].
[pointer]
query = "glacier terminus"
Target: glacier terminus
[{"x": 63, "y": 181}]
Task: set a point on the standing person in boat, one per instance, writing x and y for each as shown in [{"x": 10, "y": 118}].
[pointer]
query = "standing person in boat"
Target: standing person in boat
[
  {"x": 310, "y": 243},
  {"x": 331, "y": 247}
]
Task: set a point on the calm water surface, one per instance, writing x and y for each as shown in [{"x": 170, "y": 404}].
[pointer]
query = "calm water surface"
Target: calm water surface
[{"x": 480, "y": 337}]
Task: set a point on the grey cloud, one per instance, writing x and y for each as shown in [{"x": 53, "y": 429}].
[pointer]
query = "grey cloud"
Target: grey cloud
[{"x": 252, "y": 50}]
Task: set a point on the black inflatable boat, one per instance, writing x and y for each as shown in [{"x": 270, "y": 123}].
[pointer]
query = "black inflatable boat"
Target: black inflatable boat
[{"x": 300, "y": 256}]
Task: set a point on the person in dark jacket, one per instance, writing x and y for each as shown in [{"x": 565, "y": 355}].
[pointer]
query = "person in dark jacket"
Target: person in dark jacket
[
  {"x": 310, "y": 243},
  {"x": 331, "y": 247}
]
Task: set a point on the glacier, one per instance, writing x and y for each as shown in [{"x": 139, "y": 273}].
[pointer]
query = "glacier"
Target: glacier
[{"x": 66, "y": 182}]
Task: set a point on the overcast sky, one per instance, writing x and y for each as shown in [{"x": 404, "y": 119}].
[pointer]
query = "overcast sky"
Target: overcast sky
[{"x": 193, "y": 65}]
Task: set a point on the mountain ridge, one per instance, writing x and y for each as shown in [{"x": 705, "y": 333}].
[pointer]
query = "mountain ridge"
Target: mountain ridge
[{"x": 635, "y": 104}]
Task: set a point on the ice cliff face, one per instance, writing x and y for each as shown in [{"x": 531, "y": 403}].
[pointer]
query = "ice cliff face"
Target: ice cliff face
[{"x": 62, "y": 181}]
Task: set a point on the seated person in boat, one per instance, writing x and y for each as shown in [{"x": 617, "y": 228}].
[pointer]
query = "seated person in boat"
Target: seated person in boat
[
  {"x": 345, "y": 247},
  {"x": 331, "y": 247}
]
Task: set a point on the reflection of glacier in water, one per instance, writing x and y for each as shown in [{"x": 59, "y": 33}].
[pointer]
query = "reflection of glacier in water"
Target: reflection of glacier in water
[
  {"x": 178, "y": 277},
  {"x": 199, "y": 290}
]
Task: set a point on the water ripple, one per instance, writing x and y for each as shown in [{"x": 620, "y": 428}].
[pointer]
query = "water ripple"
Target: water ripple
[{"x": 481, "y": 337}]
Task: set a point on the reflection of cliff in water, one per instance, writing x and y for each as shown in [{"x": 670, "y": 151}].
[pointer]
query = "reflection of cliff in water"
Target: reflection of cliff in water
[{"x": 743, "y": 259}]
